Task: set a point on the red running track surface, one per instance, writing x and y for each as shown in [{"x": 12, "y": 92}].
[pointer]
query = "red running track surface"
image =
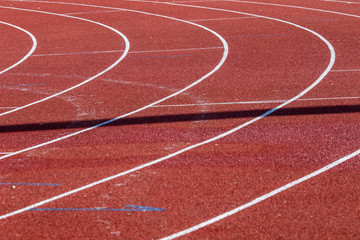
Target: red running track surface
[{"x": 189, "y": 119}]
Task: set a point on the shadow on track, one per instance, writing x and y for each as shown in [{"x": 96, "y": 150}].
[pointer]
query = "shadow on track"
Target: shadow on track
[{"x": 339, "y": 109}]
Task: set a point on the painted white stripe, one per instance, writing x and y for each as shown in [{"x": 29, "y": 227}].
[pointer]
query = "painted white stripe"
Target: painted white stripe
[
  {"x": 340, "y": 1},
  {"x": 34, "y": 44},
  {"x": 283, "y": 188},
  {"x": 127, "y": 47},
  {"x": 255, "y": 102},
  {"x": 346, "y": 70},
  {"x": 320, "y": 78},
  {"x": 78, "y": 13},
  {"x": 217, "y": 67},
  {"x": 263, "y": 197},
  {"x": 74, "y": 53},
  {"x": 297, "y": 7},
  {"x": 115, "y": 51},
  {"x": 219, "y": 19}
]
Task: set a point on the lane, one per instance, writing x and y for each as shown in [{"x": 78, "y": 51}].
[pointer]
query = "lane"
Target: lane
[
  {"x": 211, "y": 139},
  {"x": 147, "y": 175},
  {"x": 6, "y": 56},
  {"x": 224, "y": 54},
  {"x": 127, "y": 47},
  {"x": 220, "y": 229}
]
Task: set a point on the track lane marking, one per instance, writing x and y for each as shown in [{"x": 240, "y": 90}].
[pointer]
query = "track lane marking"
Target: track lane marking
[
  {"x": 34, "y": 45},
  {"x": 114, "y": 51},
  {"x": 127, "y": 47},
  {"x": 291, "y": 6},
  {"x": 263, "y": 197},
  {"x": 347, "y": 2},
  {"x": 283, "y": 188},
  {"x": 221, "y": 62},
  {"x": 148, "y": 164},
  {"x": 219, "y": 19},
  {"x": 254, "y": 102},
  {"x": 31, "y": 184},
  {"x": 346, "y": 70}
]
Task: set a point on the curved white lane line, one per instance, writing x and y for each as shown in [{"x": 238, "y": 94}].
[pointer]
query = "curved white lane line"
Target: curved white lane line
[
  {"x": 283, "y": 188},
  {"x": 327, "y": 70},
  {"x": 263, "y": 197},
  {"x": 217, "y": 67},
  {"x": 127, "y": 47},
  {"x": 34, "y": 45},
  {"x": 297, "y": 7}
]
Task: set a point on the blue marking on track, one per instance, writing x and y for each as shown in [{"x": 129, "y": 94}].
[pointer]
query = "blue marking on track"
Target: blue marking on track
[
  {"x": 32, "y": 184},
  {"x": 129, "y": 208}
]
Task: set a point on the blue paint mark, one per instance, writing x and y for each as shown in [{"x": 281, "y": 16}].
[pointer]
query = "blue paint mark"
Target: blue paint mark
[
  {"x": 267, "y": 35},
  {"x": 32, "y": 184},
  {"x": 141, "y": 208},
  {"x": 129, "y": 208}
]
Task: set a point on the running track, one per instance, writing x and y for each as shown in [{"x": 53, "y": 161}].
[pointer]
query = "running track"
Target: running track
[{"x": 183, "y": 119}]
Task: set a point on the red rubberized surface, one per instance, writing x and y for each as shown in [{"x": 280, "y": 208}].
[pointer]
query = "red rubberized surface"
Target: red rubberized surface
[{"x": 272, "y": 56}]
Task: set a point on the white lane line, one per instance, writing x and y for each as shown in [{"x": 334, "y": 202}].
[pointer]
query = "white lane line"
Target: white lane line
[
  {"x": 346, "y": 70},
  {"x": 127, "y": 47},
  {"x": 254, "y": 102},
  {"x": 76, "y": 53},
  {"x": 276, "y": 191},
  {"x": 219, "y": 19},
  {"x": 148, "y": 164},
  {"x": 217, "y": 67},
  {"x": 297, "y": 7},
  {"x": 34, "y": 45},
  {"x": 115, "y": 51},
  {"x": 263, "y": 197},
  {"x": 78, "y": 13},
  {"x": 340, "y": 1}
]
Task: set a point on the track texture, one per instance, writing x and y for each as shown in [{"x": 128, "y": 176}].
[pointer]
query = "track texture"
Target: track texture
[{"x": 184, "y": 119}]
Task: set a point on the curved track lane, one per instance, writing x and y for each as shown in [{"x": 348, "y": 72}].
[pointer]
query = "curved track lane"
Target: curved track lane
[
  {"x": 189, "y": 172},
  {"x": 31, "y": 51},
  {"x": 126, "y": 50}
]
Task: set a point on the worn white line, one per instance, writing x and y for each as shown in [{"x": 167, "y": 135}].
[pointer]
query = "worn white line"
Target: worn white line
[
  {"x": 263, "y": 197},
  {"x": 254, "y": 102},
  {"x": 178, "y": 50},
  {"x": 76, "y": 53},
  {"x": 94, "y": 12},
  {"x": 346, "y": 70},
  {"x": 127, "y": 47},
  {"x": 34, "y": 45},
  {"x": 219, "y": 19},
  {"x": 217, "y": 67},
  {"x": 296, "y": 7},
  {"x": 115, "y": 51},
  {"x": 347, "y": 2}
]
